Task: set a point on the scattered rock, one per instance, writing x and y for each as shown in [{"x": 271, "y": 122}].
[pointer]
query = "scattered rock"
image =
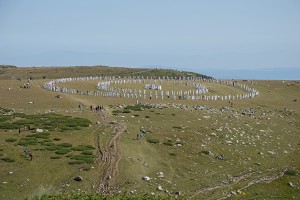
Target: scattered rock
[
  {"x": 97, "y": 122},
  {"x": 220, "y": 157},
  {"x": 146, "y": 178},
  {"x": 159, "y": 188},
  {"x": 239, "y": 192},
  {"x": 257, "y": 163},
  {"x": 271, "y": 152},
  {"x": 291, "y": 184},
  {"x": 160, "y": 175},
  {"x": 178, "y": 193},
  {"x": 10, "y": 172},
  {"x": 78, "y": 178},
  {"x": 39, "y": 130}
]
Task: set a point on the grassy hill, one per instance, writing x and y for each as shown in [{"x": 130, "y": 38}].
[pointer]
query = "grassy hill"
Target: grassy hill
[
  {"x": 241, "y": 149},
  {"x": 7, "y": 73}
]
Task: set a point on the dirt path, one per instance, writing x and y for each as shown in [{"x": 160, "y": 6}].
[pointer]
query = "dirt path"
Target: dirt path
[
  {"x": 110, "y": 156},
  {"x": 229, "y": 183}
]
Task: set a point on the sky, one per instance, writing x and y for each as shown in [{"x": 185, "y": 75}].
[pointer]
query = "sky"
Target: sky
[{"x": 250, "y": 39}]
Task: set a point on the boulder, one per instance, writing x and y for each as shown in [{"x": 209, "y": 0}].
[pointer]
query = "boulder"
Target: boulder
[
  {"x": 146, "y": 178},
  {"x": 39, "y": 130},
  {"x": 159, "y": 188},
  {"x": 78, "y": 178},
  {"x": 291, "y": 184}
]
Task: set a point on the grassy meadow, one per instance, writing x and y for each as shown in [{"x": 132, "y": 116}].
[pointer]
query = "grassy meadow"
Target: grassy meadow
[{"x": 242, "y": 151}]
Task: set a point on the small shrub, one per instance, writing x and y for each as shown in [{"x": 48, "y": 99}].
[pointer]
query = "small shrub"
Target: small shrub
[
  {"x": 48, "y": 144},
  {"x": 87, "y": 152},
  {"x": 53, "y": 148},
  {"x": 1, "y": 154},
  {"x": 173, "y": 114},
  {"x": 205, "y": 152},
  {"x": 168, "y": 143},
  {"x": 57, "y": 139},
  {"x": 290, "y": 172},
  {"x": 76, "y": 162},
  {"x": 65, "y": 145},
  {"x": 8, "y": 159},
  {"x": 147, "y": 116},
  {"x": 55, "y": 157},
  {"x": 153, "y": 140},
  {"x": 62, "y": 151},
  {"x": 70, "y": 155},
  {"x": 177, "y": 127},
  {"x": 173, "y": 154},
  {"x": 1, "y": 149},
  {"x": 83, "y": 147},
  {"x": 11, "y": 140}
]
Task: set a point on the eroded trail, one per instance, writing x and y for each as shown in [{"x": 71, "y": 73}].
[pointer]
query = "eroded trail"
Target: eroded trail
[{"x": 110, "y": 155}]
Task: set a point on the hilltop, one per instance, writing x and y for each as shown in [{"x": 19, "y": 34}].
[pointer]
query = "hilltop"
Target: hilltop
[{"x": 137, "y": 147}]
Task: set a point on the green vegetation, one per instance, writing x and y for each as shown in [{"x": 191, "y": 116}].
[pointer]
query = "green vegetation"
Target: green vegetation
[
  {"x": 11, "y": 140},
  {"x": 48, "y": 121},
  {"x": 153, "y": 140},
  {"x": 10, "y": 160}
]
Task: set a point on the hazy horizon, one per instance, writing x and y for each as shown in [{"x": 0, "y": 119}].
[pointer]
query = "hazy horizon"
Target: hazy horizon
[{"x": 219, "y": 38}]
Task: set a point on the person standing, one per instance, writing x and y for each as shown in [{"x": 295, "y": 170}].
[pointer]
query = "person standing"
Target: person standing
[{"x": 30, "y": 155}]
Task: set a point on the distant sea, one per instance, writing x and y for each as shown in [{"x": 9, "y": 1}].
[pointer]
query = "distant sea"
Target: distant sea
[{"x": 253, "y": 74}]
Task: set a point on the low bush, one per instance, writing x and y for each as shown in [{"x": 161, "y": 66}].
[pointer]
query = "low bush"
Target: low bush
[
  {"x": 83, "y": 147},
  {"x": 86, "y": 152},
  {"x": 153, "y": 140},
  {"x": 62, "y": 151},
  {"x": 57, "y": 139},
  {"x": 55, "y": 157},
  {"x": 11, "y": 140},
  {"x": 168, "y": 143},
  {"x": 76, "y": 162},
  {"x": 8, "y": 159},
  {"x": 290, "y": 172},
  {"x": 65, "y": 145}
]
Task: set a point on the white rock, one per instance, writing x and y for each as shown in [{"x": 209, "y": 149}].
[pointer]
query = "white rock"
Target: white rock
[
  {"x": 159, "y": 188},
  {"x": 146, "y": 178},
  {"x": 39, "y": 130}
]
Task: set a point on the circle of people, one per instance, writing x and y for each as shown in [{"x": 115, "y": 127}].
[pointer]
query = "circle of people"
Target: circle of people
[{"x": 152, "y": 88}]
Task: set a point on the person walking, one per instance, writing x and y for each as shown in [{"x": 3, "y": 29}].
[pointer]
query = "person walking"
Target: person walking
[{"x": 30, "y": 155}]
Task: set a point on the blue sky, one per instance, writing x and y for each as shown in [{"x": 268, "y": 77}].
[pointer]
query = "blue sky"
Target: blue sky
[{"x": 220, "y": 38}]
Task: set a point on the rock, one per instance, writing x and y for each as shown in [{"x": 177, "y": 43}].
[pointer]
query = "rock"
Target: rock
[
  {"x": 39, "y": 130},
  {"x": 78, "y": 178},
  {"x": 97, "y": 122},
  {"x": 233, "y": 193},
  {"x": 178, "y": 193},
  {"x": 291, "y": 184},
  {"x": 10, "y": 172},
  {"x": 146, "y": 178},
  {"x": 159, "y": 188},
  {"x": 239, "y": 192},
  {"x": 5, "y": 182},
  {"x": 160, "y": 175},
  {"x": 213, "y": 134},
  {"x": 257, "y": 163},
  {"x": 271, "y": 152},
  {"x": 220, "y": 157}
]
